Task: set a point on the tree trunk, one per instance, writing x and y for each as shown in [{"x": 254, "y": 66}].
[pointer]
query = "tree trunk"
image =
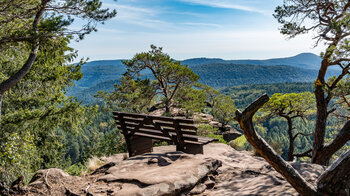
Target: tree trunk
[
  {"x": 262, "y": 147},
  {"x": 335, "y": 180},
  {"x": 167, "y": 107},
  {"x": 291, "y": 139},
  {"x": 321, "y": 116}
]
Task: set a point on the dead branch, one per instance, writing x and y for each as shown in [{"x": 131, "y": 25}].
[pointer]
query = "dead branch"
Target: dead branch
[
  {"x": 45, "y": 179},
  {"x": 284, "y": 168}
]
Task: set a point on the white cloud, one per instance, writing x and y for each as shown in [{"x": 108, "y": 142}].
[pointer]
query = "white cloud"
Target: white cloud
[
  {"x": 227, "y": 4},
  {"x": 141, "y": 16}
]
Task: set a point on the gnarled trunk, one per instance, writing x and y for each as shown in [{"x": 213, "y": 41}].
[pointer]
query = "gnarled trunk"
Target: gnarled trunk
[{"x": 321, "y": 115}]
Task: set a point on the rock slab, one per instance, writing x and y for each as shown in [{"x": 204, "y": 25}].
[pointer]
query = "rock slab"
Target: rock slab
[
  {"x": 221, "y": 170},
  {"x": 169, "y": 173}
]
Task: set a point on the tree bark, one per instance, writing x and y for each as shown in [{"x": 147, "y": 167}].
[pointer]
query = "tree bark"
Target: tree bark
[
  {"x": 284, "y": 168},
  {"x": 167, "y": 106},
  {"x": 321, "y": 115},
  {"x": 291, "y": 139},
  {"x": 335, "y": 180}
]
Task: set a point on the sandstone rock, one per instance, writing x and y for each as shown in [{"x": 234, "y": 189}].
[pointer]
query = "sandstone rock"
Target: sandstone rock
[
  {"x": 206, "y": 118},
  {"x": 231, "y": 135},
  {"x": 244, "y": 174},
  {"x": 167, "y": 172},
  {"x": 157, "y": 173}
]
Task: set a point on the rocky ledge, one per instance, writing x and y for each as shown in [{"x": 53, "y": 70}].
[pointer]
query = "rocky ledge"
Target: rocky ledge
[{"x": 221, "y": 170}]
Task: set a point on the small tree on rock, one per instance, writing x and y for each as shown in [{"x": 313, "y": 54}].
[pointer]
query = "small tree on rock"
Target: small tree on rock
[
  {"x": 170, "y": 75},
  {"x": 290, "y": 106}
]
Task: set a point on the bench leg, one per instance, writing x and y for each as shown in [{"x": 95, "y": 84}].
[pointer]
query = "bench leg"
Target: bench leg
[
  {"x": 140, "y": 145},
  {"x": 193, "y": 148}
]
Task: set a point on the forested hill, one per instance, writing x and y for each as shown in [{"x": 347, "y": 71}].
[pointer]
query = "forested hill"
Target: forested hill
[
  {"x": 226, "y": 75},
  {"x": 218, "y": 73},
  {"x": 96, "y": 72},
  {"x": 103, "y": 70}
]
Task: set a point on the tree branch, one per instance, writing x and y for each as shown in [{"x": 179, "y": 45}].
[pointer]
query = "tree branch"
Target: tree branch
[
  {"x": 331, "y": 111},
  {"x": 304, "y": 154},
  {"x": 338, "y": 142},
  {"x": 262, "y": 147}
]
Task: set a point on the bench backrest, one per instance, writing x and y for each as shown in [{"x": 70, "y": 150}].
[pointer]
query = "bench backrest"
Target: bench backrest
[{"x": 176, "y": 130}]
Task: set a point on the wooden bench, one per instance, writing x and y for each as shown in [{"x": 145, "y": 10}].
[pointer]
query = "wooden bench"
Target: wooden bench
[{"x": 139, "y": 130}]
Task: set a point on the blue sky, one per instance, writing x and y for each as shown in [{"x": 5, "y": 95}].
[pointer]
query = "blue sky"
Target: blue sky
[{"x": 228, "y": 29}]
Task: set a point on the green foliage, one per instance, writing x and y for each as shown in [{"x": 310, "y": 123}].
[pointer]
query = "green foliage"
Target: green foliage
[
  {"x": 274, "y": 129},
  {"x": 224, "y": 109},
  {"x": 160, "y": 143},
  {"x": 36, "y": 111},
  {"x": 18, "y": 19},
  {"x": 341, "y": 96},
  {"x": 238, "y": 143},
  {"x": 228, "y": 74},
  {"x": 17, "y": 154},
  {"x": 130, "y": 95},
  {"x": 290, "y": 105},
  {"x": 190, "y": 100},
  {"x": 76, "y": 169},
  {"x": 99, "y": 138},
  {"x": 204, "y": 130},
  {"x": 332, "y": 29},
  {"x": 243, "y": 95},
  {"x": 210, "y": 92}
]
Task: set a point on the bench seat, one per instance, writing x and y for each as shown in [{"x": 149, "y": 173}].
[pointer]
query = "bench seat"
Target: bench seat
[{"x": 140, "y": 130}]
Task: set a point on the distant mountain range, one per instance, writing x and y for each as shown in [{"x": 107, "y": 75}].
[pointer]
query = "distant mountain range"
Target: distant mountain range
[
  {"x": 218, "y": 73},
  {"x": 303, "y": 60}
]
